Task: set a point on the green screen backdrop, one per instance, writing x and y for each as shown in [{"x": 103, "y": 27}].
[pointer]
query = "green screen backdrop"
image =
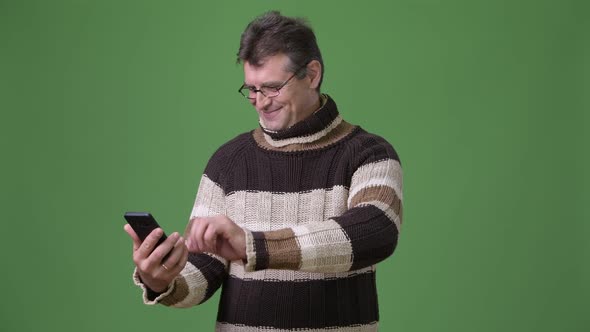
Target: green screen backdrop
[{"x": 109, "y": 106}]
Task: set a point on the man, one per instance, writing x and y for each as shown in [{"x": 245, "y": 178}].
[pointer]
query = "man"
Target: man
[{"x": 291, "y": 217}]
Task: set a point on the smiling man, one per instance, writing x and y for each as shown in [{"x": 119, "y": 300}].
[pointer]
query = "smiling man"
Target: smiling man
[{"x": 290, "y": 218}]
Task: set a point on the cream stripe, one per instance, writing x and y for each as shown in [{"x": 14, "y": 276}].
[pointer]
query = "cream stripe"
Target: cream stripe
[
  {"x": 225, "y": 327},
  {"x": 236, "y": 207},
  {"x": 210, "y": 199},
  {"x": 237, "y": 270},
  {"x": 324, "y": 247},
  {"x": 264, "y": 210},
  {"x": 280, "y": 210},
  {"x": 389, "y": 212},
  {"x": 197, "y": 285},
  {"x": 382, "y": 173},
  {"x": 304, "y": 139}
]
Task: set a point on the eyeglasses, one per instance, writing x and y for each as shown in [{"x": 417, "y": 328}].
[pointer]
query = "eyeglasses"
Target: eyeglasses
[{"x": 267, "y": 91}]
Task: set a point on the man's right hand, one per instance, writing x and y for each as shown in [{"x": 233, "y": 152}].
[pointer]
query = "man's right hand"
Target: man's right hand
[{"x": 155, "y": 273}]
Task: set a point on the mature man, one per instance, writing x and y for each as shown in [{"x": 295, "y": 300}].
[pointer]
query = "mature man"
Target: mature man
[{"x": 290, "y": 218}]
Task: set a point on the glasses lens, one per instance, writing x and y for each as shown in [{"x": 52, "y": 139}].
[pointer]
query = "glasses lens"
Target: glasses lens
[{"x": 270, "y": 92}]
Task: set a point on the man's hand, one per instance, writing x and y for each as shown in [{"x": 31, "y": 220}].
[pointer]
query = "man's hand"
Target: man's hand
[
  {"x": 218, "y": 235},
  {"x": 155, "y": 272}
]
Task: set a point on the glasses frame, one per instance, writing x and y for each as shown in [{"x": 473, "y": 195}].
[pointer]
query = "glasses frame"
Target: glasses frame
[{"x": 278, "y": 89}]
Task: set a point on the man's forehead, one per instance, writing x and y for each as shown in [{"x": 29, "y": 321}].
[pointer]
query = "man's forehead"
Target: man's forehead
[{"x": 269, "y": 68}]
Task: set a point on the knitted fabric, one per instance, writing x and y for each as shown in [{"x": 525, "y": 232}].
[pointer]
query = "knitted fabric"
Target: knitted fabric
[{"x": 320, "y": 204}]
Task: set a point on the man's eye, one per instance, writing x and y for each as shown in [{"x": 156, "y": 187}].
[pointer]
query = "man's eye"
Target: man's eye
[{"x": 269, "y": 88}]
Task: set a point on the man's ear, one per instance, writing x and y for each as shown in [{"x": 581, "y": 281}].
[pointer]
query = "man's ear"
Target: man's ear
[{"x": 314, "y": 73}]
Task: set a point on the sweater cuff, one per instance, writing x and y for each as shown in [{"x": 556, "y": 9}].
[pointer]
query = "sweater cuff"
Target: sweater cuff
[
  {"x": 250, "y": 261},
  {"x": 149, "y": 296}
]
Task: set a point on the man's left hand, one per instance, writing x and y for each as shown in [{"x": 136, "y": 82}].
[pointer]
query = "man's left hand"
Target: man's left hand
[{"x": 217, "y": 235}]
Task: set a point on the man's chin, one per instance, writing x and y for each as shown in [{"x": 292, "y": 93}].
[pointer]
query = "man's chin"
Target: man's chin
[{"x": 270, "y": 125}]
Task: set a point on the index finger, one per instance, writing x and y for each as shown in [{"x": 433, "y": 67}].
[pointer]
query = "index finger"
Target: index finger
[
  {"x": 148, "y": 245},
  {"x": 133, "y": 235},
  {"x": 190, "y": 225}
]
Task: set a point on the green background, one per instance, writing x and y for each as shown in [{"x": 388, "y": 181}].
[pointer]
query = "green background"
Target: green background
[{"x": 109, "y": 106}]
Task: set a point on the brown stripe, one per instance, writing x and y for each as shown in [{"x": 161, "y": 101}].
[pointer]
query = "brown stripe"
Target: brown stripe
[
  {"x": 283, "y": 250},
  {"x": 383, "y": 194},
  {"x": 336, "y": 134},
  {"x": 180, "y": 292}
]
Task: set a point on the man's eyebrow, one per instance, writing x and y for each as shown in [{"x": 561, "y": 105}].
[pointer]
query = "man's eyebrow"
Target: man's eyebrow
[{"x": 271, "y": 84}]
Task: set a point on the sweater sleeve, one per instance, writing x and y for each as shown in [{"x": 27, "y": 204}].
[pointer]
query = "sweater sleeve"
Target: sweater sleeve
[
  {"x": 364, "y": 235},
  {"x": 203, "y": 273}
]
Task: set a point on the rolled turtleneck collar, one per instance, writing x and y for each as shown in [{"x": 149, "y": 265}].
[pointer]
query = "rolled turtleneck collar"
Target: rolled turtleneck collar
[{"x": 308, "y": 130}]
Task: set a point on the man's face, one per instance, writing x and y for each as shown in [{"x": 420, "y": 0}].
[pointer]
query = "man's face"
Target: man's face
[{"x": 297, "y": 100}]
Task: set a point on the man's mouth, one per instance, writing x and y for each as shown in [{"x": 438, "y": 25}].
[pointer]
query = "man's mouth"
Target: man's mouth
[
  {"x": 269, "y": 112},
  {"x": 270, "y": 115}
]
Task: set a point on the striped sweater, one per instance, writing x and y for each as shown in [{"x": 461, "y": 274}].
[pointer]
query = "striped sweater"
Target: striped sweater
[{"x": 320, "y": 204}]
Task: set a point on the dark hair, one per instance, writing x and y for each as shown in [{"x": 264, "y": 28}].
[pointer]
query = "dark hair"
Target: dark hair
[{"x": 272, "y": 33}]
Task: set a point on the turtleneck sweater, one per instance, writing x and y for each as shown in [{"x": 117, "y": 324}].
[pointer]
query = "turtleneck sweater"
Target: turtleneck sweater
[{"x": 320, "y": 204}]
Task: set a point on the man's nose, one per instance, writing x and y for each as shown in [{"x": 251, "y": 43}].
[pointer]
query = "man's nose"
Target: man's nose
[{"x": 262, "y": 101}]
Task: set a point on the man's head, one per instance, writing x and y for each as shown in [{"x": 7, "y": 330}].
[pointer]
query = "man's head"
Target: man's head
[{"x": 283, "y": 69}]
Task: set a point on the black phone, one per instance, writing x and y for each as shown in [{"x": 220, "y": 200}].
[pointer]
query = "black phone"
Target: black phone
[{"x": 143, "y": 223}]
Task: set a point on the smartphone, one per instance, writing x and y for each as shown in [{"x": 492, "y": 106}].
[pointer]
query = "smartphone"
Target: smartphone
[{"x": 143, "y": 223}]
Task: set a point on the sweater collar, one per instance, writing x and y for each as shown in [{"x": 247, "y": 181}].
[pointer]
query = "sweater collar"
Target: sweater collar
[{"x": 308, "y": 130}]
